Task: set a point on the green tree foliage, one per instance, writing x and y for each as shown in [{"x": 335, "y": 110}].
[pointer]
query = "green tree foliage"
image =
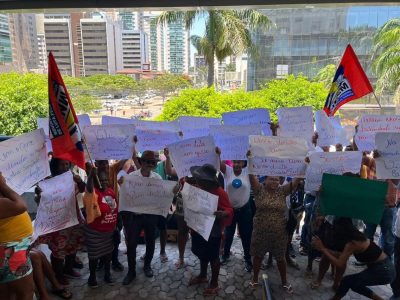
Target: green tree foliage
[
  {"x": 23, "y": 98},
  {"x": 85, "y": 103},
  {"x": 167, "y": 83},
  {"x": 325, "y": 75},
  {"x": 290, "y": 92},
  {"x": 230, "y": 68},
  {"x": 116, "y": 85},
  {"x": 228, "y": 32}
]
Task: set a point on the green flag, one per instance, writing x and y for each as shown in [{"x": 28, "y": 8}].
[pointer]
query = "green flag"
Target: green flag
[{"x": 353, "y": 197}]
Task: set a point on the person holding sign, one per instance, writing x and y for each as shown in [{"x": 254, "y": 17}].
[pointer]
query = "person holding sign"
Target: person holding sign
[
  {"x": 237, "y": 185},
  {"x": 208, "y": 251},
  {"x": 99, "y": 233},
  {"x": 269, "y": 224},
  {"x": 15, "y": 231},
  {"x": 134, "y": 223},
  {"x": 380, "y": 269}
]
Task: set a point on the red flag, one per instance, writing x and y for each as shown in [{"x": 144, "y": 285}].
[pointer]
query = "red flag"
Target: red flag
[
  {"x": 63, "y": 129},
  {"x": 350, "y": 83}
]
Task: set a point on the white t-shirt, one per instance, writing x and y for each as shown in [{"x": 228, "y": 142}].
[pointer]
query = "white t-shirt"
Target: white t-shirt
[
  {"x": 152, "y": 174},
  {"x": 237, "y": 196}
]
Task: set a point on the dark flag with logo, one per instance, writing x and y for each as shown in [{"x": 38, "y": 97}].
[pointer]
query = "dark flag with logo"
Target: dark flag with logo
[
  {"x": 63, "y": 129},
  {"x": 349, "y": 83}
]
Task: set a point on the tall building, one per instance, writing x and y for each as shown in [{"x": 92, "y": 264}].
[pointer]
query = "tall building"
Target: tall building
[
  {"x": 5, "y": 42},
  {"x": 307, "y": 39},
  {"x": 58, "y": 39},
  {"x": 134, "y": 49},
  {"x": 131, "y": 20},
  {"x": 42, "y": 53},
  {"x": 101, "y": 42}
]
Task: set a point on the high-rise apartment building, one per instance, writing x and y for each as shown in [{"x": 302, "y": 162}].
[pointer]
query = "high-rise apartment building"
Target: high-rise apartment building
[
  {"x": 307, "y": 39},
  {"x": 42, "y": 53},
  {"x": 131, "y": 20},
  {"x": 59, "y": 41},
  {"x": 5, "y": 42},
  {"x": 134, "y": 49}
]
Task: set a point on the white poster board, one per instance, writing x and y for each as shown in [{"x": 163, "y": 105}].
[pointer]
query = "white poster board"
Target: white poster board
[
  {"x": 233, "y": 140},
  {"x": 44, "y": 124},
  {"x": 388, "y": 162},
  {"x": 146, "y": 195},
  {"x": 192, "y": 127},
  {"x": 154, "y": 139},
  {"x": 110, "y": 120},
  {"x": 155, "y": 125},
  {"x": 335, "y": 163},
  {"x": 277, "y": 156},
  {"x": 251, "y": 116},
  {"x": 57, "y": 207},
  {"x": 369, "y": 125},
  {"x": 23, "y": 160},
  {"x": 193, "y": 152},
  {"x": 110, "y": 141},
  {"x": 296, "y": 122},
  {"x": 199, "y": 207},
  {"x": 330, "y": 132}
]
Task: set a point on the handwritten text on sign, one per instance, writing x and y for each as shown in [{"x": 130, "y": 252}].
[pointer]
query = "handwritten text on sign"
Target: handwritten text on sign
[
  {"x": 57, "y": 207},
  {"x": 330, "y": 132},
  {"x": 252, "y": 116},
  {"x": 155, "y": 140},
  {"x": 109, "y": 141},
  {"x": 193, "y": 152},
  {"x": 146, "y": 195},
  {"x": 233, "y": 140},
  {"x": 23, "y": 160},
  {"x": 296, "y": 122},
  {"x": 155, "y": 125},
  {"x": 199, "y": 207},
  {"x": 388, "y": 162},
  {"x": 369, "y": 125},
  {"x": 275, "y": 166},
  {"x": 335, "y": 163},
  {"x": 192, "y": 127}
]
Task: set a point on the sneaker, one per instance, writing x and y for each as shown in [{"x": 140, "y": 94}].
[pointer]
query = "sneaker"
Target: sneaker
[
  {"x": 92, "y": 282},
  {"x": 148, "y": 272},
  {"x": 72, "y": 274},
  {"x": 117, "y": 267},
  {"x": 109, "y": 280},
  {"x": 224, "y": 259},
  {"x": 248, "y": 266},
  {"x": 130, "y": 276}
]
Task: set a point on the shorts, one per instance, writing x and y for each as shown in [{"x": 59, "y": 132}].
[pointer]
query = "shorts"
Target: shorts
[
  {"x": 205, "y": 250},
  {"x": 162, "y": 223},
  {"x": 14, "y": 260}
]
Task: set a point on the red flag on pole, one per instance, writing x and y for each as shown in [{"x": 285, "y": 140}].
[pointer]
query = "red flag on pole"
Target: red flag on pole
[
  {"x": 350, "y": 83},
  {"x": 64, "y": 132}
]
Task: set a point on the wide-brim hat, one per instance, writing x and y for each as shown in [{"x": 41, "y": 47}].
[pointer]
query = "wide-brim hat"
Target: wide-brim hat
[
  {"x": 149, "y": 155},
  {"x": 205, "y": 172}
]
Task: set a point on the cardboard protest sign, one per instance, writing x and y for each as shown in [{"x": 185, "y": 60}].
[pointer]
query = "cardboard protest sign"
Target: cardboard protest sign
[
  {"x": 23, "y": 160},
  {"x": 369, "y": 125},
  {"x": 388, "y": 162},
  {"x": 353, "y": 197},
  {"x": 146, "y": 195},
  {"x": 57, "y": 207},
  {"x": 199, "y": 207},
  {"x": 330, "y": 132},
  {"x": 296, "y": 122},
  {"x": 154, "y": 139},
  {"x": 193, "y": 152},
  {"x": 277, "y": 156},
  {"x": 251, "y": 116},
  {"x": 172, "y": 126},
  {"x": 233, "y": 140},
  {"x": 192, "y": 127},
  {"x": 109, "y": 120},
  {"x": 112, "y": 141},
  {"x": 333, "y": 163}
]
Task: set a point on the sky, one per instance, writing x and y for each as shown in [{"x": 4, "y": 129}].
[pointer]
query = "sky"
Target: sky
[{"x": 197, "y": 29}]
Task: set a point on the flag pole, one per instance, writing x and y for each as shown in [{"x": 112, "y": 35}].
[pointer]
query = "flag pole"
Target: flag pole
[{"x": 377, "y": 100}]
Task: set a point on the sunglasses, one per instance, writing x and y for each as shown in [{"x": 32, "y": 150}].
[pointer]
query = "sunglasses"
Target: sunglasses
[{"x": 149, "y": 162}]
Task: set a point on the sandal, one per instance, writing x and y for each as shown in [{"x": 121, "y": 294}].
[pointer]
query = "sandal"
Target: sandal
[
  {"x": 163, "y": 258},
  {"x": 63, "y": 293},
  {"x": 180, "y": 264},
  {"x": 288, "y": 288},
  {"x": 211, "y": 291},
  {"x": 253, "y": 284},
  {"x": 315, "y": 285},
  {"x": 197, "y": 280}
]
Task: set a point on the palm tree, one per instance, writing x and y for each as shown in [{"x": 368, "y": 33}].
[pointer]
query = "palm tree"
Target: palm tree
[
  {"x": 386, "y": 57},
  {"x": 325, "y": 75},
  {"x": 228, "y": 32}
]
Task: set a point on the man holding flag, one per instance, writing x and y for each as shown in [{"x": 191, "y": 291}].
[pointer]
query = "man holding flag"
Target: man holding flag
[{"x": 350, "y": 83}]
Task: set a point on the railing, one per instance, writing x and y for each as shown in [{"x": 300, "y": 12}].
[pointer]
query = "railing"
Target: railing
[{"x": 267, "y": 295}]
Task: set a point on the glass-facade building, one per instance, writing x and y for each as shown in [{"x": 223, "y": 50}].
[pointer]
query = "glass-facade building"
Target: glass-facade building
[
  {"x": 304, "y": 40},
  {"x": 5, "y": 42}
]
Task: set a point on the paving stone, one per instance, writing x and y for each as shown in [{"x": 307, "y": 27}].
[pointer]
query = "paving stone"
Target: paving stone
[
  {"x": 230, "y": 289},
  {"x": 111, "y": 295}
]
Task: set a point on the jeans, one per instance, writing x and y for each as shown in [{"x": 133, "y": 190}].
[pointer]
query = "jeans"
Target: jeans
[
  {"x": 378, "y": 273},
  {"x": 396, "y": 282},
  {"x": 244, "y": 218},
  {"x": 133, "y": 225},
  {"x": 386, "y": 240},
  {"x": 308, "y": 209}
]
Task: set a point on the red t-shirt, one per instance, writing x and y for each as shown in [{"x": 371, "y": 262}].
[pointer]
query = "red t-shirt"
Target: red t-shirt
[
  {"x": 225, "y": 205},
  {"x": 109, "y": 211}
]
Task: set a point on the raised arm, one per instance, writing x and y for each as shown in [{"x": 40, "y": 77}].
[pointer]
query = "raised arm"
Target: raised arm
[
  {"x": 91, "y": 171},
  {"x": 255, "y": 184},
  {"x": 134, "y": 155},
  {"x": 288, "y": 188},
  {"x": 169, "y": 169},
  {"x": 11, "y": 204},
  {"x": 222, "y": 165}
]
